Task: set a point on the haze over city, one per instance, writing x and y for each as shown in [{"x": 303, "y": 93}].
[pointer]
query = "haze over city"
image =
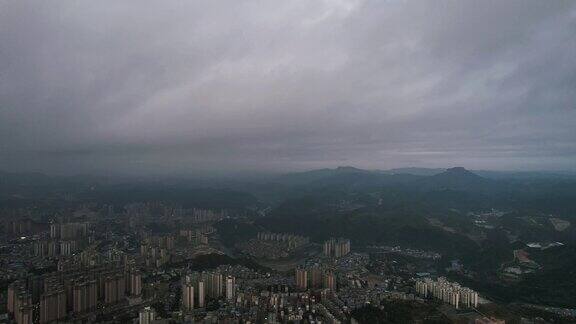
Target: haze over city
[
  {"x": 289, "y": 161},
  {"x": 168, "y": 87}
]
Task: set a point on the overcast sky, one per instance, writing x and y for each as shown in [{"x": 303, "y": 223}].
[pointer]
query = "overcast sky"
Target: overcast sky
[{"x": 185, "y": 86}]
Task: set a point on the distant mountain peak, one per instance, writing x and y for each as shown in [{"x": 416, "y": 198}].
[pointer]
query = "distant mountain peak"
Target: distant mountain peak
[
  {"x": 458, "y": 173},
  {"x": 348, "y": 168},
  {"x": 457, "y": 178},
  {"x": 459, "y": 170}
]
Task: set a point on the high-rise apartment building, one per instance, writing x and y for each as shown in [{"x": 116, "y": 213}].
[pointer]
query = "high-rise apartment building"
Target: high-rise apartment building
[
  {"x": 201, "y": 294},
  {"x": 187, "y": 296},
  {"x": 23, "y": 308},
  {"x": 315, "y": 275},
  {"x": 135, "y": 283},
  {"x": 214, "y": 284},
  {"x": 14, "y": 290},
  {"x": 146, "y": 315},
  {"x": 336, "y": 247},
  {"x": 301, "y": 278},
  {"x": 84, "y": 296},
  {"x": 329, "y": 281},
  {"x": 230, "y": 288},
  {"x": 53, "y": 305},
  {"x": 114, "y": 289}
]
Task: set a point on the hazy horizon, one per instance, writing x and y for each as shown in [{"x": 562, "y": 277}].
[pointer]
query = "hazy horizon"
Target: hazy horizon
[
  {"x": 173, "y": 87},
  {"x": 247, "y": 174}
]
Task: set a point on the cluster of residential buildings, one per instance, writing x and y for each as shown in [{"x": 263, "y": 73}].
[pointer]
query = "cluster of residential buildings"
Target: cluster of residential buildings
[
  {"x": 315, "y": 277},
  {"x": 272, "y": 246},
  {"x": 119, "y": 267},
  {"x": 197, "y": 235},
  {"x": 449, "y": 292},
  {"x": 77, "y": 292},
  {"x": 155, "y": 250},
  {"x": 336, "y": 248},
  {"x": 415, "y": 253},
  {"x": 293, "y": 241},
  {"x": 198, "y": 286}
]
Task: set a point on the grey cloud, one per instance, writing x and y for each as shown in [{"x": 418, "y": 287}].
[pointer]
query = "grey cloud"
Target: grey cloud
[{"x": 148, "y": 86}]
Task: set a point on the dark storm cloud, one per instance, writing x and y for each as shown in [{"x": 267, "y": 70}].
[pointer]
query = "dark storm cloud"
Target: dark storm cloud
[{"x": 147, "y": 86}]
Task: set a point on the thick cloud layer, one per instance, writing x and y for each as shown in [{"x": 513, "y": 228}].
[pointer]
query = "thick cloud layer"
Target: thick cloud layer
[{"x": 182, "y": 86}]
